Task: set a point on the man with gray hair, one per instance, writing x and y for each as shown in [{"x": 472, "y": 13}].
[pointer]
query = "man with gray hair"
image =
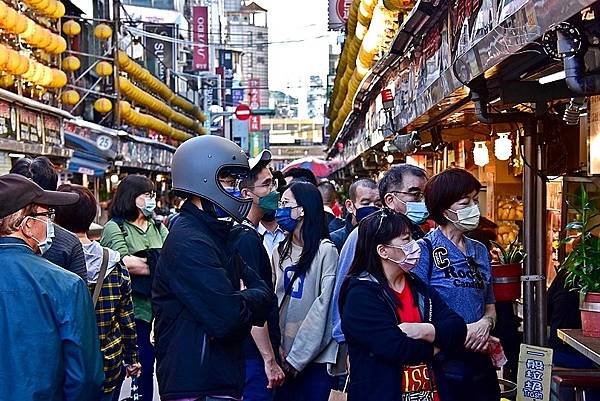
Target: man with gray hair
[
  {"x": 49, "y": 343},
  {"x": 363, "y": 199},
  {"x": 400, "y": 189}
]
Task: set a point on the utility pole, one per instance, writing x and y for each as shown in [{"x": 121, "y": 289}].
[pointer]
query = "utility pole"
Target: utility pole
[{"x": 115, "y": 43}]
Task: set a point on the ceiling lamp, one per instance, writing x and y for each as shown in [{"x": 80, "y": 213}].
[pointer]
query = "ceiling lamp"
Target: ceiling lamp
[
  {"x": 503, "y": 146},
  {"x": 481, "y": 154}
]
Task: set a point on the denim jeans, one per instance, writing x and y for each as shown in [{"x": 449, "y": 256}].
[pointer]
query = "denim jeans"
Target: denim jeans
[
  {"x": 146, "y": 352},
  {"x": 255, "y": 387},
  {"x": 312, "y": 384}
]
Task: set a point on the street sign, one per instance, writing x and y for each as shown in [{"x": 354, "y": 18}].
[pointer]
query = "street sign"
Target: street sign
[
  {"x": 242, "y": 112},
  {"x": 535, "y": 369}
]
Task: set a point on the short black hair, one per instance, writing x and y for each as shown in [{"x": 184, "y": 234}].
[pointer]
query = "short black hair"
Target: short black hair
[
  {"x": 362, "y": 183},
  {"x": 327, "y": 191},
  {"x": 78, "y": 217},
  {"x": 40, "y": 170},
  {"x": 447, "y": 187},
  {"x": 123, "y": 204},
  {"x": 301, "y": 174},
  {"x": 394, "y": 177}
]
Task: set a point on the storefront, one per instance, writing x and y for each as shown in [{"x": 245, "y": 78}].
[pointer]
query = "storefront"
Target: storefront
[{"x": 473, "y": 86}]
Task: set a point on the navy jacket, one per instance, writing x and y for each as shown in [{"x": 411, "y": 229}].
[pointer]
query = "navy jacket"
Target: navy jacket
[
  {"x": 66, "y": 251},
  {"x": 340, "y": 235},
  {"x": 333, "y": 223},
  {"x": 378, "y": 349},
  {"x": 201, "y": 315}
]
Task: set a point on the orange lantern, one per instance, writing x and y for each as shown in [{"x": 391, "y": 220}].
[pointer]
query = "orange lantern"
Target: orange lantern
[
  {"x": 103, "y": 105},
  {"x": 71, "y": 64},
  {"x": 103, "y": 31},
  {"x": 104, "y": 69},
  {"x": 70, "y": 97},
  {"x": 71, "y": 28}
]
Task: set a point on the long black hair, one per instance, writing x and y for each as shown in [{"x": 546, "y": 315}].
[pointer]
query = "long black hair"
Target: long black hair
[
  {"x": 378, "y": 228},
  {"x": 123, "y": 204},
  {"x": 314, "y": 229}
]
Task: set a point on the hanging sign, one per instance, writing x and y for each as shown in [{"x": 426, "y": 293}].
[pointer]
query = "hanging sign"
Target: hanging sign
[
  {"x": 8, "y": 121},
  {"x": 52, "y": 131},
  {"x": 200, "y": 30},
  {"x": 535, "y": 371},
  {"x": 30, "y": 126},
  {"x": 163, "y": 51},
  {"x": 338, "y": 14}
]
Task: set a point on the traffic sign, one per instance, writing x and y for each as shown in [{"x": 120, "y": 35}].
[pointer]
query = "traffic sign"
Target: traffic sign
[{"x": 242, "y": 112}]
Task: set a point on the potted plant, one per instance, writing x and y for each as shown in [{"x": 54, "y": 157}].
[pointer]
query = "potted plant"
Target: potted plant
[
  {"x": 506, "y": 273},
  {"x": 583, "y": 263}
]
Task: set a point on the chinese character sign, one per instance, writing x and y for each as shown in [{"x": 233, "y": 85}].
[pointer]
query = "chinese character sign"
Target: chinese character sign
[
  {"x": 201, "y": 56},
  {"x": 338, "y": 13},
  {"x": 254, "y": 103},
  {"x": 535, "y": 371}
]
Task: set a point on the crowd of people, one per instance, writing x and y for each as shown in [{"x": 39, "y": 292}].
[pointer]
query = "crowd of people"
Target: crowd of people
[{"x": 255, "y": 289}]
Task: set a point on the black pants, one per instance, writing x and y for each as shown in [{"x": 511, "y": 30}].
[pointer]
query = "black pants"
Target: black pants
[{"x": 465, "y": 377}]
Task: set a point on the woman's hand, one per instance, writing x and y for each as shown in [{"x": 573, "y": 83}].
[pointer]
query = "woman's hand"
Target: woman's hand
[
  {"x": 136, "y": 265},
  {"x": 478, "y": 334},
  {"x": 275, "y": 375},
  {"x": 135, "y": 369},
  {"x": 418, "y": 331}
]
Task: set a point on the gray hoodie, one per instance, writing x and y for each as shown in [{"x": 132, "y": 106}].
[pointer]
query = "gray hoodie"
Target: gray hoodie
[
  {"x": 305, "y": 316},
  {"x": 93, "y": 260}
]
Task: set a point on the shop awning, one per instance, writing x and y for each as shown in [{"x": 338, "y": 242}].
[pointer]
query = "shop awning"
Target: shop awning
[
  {"x": 90, "y": 147},
  {"x": 85, "y": 163}
]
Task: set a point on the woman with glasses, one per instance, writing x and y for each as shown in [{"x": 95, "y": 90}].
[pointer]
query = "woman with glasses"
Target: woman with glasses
[
  {"x": 304, "y": 265},
  {"x": 393, "y": 323},
  {"x": 459, "y": 269},
  {"x": 133, "y": 233}
]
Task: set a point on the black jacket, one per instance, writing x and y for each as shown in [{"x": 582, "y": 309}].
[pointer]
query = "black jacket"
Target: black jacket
[
  {"x": 378, "y": 349},
  {"x": 246, "y": 241},
  {"x": 339, "y": 236},
  {"x": 66, "y": 251},
  {"x": 201, "y": 314},
  {"x": 333, "y": 223}
]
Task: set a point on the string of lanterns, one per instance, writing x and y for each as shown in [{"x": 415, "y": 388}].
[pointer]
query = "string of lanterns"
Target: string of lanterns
[
  {"x": 502, "y": 149},
  {"x": 138, "y": 119}
]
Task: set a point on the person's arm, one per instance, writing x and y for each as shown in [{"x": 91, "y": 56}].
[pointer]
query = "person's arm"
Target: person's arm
[
  {"x": 422, "y": 269},
  {"x": 369, "y": 321},
  {"x": 113, "y": 238},
  {"x": 311, "y": 337},
  {"x": 478, "y": 332},
  {"x": 126, "y": 319},
  {"x": 164, "y": 231},
  {"x": 275, "y": 375},
  {"x": 344, "y": 262},
  {"x": 82, "y": 359}
]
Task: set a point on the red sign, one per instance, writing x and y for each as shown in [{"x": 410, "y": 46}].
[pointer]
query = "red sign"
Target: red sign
[
  {"x": 387, "y": 95},
  {"x": 200, "y": 30},
  {"x": 242, "y": 112},
  {"x": 254, "y": 100}
]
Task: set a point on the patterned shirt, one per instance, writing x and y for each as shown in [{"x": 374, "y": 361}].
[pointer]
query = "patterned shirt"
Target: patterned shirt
[{"x": 116, "y": 327}]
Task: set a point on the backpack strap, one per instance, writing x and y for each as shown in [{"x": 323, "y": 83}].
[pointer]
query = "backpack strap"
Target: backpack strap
[
  {"x": 429, "y": 246},
  {"x": 101, "y": 276},
  {"x": 121, "y": 223}
]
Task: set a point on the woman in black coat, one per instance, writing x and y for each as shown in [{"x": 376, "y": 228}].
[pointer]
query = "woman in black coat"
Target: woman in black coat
[{"x": 393, "y": 323}]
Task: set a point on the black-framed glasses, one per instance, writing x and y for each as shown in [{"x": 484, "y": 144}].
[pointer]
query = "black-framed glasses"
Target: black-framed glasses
[
  {"x": 49, "y": 214},
  {"x": 417, "y": 195},
  {"x": 270, "y": 184}
]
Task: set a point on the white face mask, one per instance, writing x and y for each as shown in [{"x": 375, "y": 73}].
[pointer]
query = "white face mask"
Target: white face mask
[
  {"x": 412, "y": 252},
  {"x": 467, "y": 219},
  {"x": 47, "y": 243}
]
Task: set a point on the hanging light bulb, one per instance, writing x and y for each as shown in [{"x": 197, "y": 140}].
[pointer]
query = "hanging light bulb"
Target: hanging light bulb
[
  {"x": 390, "y": 159},
  {"x": 503, "y": 146},
  {"x": 481, "y": 153}
]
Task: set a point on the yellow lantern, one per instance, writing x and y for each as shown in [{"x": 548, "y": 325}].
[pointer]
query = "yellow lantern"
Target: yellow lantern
[
  {"x": 103, "y": 32},
  {"x": 26, "y": 36},
  {"x": 70, "y": 97},
  {"x": 54, "y": 43},
  {"x": 104, "y": 69},
  {"x": 124, "y": 108},
  {"x": 42, "y": 5},
  {"x": 51, "y": 8},
  {"x": 71, "y": 28},
  {"x": 60, "y": 10},
  {"x": 71, "y": 64},
  {"x": 59, "y": 79},
  {"x": 3, "y": 10},
  {"x": 7, "y": 81},
  {"x": 3, "y": 56},
  {"x": 103, "y": 105},
  {"x": 62, "y": 45},
  {"x": 47, "y": 76},
  {"x": 13, "y": 61},
  {"x": 123, "y": 59},
  {"x": 23, "y": 65},
  {"x": 10, "y": 20},
  {"x": 21, "y": 24}
]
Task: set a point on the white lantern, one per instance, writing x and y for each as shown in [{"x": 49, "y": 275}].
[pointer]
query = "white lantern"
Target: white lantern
[
  {"x": 503, "y": 146},
  {"x": 481, "y": 154}
]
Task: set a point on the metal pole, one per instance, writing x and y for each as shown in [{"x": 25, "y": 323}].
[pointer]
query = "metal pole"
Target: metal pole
[
  {"x": 529, "y": 228},
  {"x": 541, "y": 232},
  {"x": 115, "y": 42}
]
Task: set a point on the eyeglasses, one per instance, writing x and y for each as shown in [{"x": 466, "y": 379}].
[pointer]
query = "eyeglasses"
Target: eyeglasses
[
  {"x": 416, "y": 195},
  {"x": 49, "y": 215},
  {"x": 270, "y": 184}
]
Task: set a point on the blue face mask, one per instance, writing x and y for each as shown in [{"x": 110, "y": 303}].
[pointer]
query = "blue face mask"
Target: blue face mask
[
  {"x": 221, "y": 214},
  {"x": 417, "y": 212},
  {"x": 149, "y": 206},
  {"x": 283, "y": 216},
  {"x": 47, "y": 243},
  {"x": 364, "y": 212}
]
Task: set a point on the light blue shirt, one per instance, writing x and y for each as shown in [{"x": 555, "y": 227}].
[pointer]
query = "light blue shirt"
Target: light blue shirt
[
  {"x": 464, "y": 281},
  {"x": 344, "y": 263},
  {"x": 271, "y": 239}
]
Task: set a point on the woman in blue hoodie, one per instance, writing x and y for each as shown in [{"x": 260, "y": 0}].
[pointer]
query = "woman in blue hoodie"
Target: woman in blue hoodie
[{"x": 394, "y": 324}]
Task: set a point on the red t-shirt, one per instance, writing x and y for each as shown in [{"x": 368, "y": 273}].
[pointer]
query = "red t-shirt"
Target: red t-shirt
[{"x": 417, "y": 381}]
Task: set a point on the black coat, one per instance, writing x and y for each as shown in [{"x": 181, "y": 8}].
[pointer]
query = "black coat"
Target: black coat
[
  {"x": 378, "y": 349},
  {"x": 201, "y": 315}
]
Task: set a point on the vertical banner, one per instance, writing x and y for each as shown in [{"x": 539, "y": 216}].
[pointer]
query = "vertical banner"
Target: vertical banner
[
  {"x": 164, "y": 51},
  {"x": 226, "y": 63},
  {"x": 254, "y": 103},
  {"x": 535, "y": 369},
  {"x": 594, "y": 138},
  {"x": 338, "y": 14},
  {"x": 201, "y": 60}
]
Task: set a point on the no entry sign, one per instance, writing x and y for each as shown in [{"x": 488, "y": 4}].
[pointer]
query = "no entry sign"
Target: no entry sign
[{"x": 242, "y": 112}]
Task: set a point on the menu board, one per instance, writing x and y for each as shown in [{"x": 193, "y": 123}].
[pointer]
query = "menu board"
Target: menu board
[
  {"x": 30, "y": 126},
  {"x": 8, "y": 121},
  {"x": 52, "y": 131}
]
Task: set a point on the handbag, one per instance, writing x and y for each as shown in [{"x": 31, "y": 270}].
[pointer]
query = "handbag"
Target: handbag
[
  {"x": 101, "y": 275},
  {"x": 336, "y": 395}
]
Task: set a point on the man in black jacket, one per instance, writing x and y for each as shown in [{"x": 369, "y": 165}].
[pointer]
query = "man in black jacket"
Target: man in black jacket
[{"x": 205, "y": 299}]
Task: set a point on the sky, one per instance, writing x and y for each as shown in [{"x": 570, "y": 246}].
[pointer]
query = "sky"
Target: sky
[{"x": 290, "y": 64}]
